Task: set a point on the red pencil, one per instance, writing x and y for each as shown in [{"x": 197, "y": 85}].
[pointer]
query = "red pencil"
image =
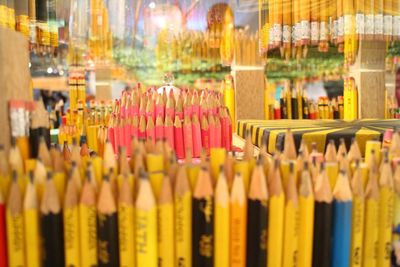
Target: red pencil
[
  {"x": 196, "y": 104},
  {"x": 229, "y": 122},
  {"x": 169, "y": 131},
  {"x": 150, "y": 109},
  {"x": 178, "y": 138},
  {"x": 179, "y": 107},
  {"x": 159, "y": 128},
  {"x": 142, "y": 127},
  {"x": 187, "y": 106},
  {"x": 160, "y": 107},
  {"x": 150, "y": 130},
  {"x": 111, "y": 132},
  {"x": 3, "y": 233},
  {"x": 124, "y": 103},
  {"x": 218, "y": 130},
  {"x": 211, "y": 125},
  {"x": 196, "y": 134},
  {"x": 205, "y": 134},
  {"x": 170, "y": 105},
  {"x": 143, "y": 105},
  {"x": 135, "y": 126},
  {"x": 134, "y": 108},
  {"x": 203, "y": 106},
  {"x": 187, "y": 135},
  {"x": 224, "y": 128}
]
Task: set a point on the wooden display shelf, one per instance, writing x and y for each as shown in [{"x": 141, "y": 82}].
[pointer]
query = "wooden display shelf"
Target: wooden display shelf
[{"x": 50, "y": 83}]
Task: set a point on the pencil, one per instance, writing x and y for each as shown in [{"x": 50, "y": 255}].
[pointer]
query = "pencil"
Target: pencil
[
  {"x": 155, "y": 166},
  {"x": 39, "y": 175},
  {"x": 291, "y": 226},
  {"x": 44, "y": 153},
  {"x": 221, "y": 221},
  {"x": 396, "y": 217},
  {"x": 166, "y": 246},
  {"x": 289, "y": 151},
  {"x": 5, "y": 179},
  {"x": 124, "y": 170},
  {"x": 183, "y": 219},
  {"x": 357, "y": 236},
  {"x": 322, "y": 220},
  {"x": 15, "y": 225},
  {"x": 88, "y": 223},
  {"x": 146, "y": 224},
  {"x": 203, "y": 218},
  {"x": 342, "y": 218},
  {"x": 107, "y": 226},
  {"x": 3, "y": 235},
  {"x": 371, "y": 226},
  {"x": 306, "y": 213},
  {"x": 126, "y": 222},
  {"x": 52, "y": 226},
  {"x": 257, "y": 218},
  {"x": 15, "y": 158},
  {"x": 386, "y": 211},
  {"x": 276, "y": 217},
  {"x": 238, "y": 222},
  {"x": 71, "y": 223}
]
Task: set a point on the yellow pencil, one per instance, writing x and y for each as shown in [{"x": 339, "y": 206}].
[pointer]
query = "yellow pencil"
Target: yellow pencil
[
  {"x": 217, "y": 157},
  {"x": 15, "y": 225},
  {"x": 146, "y": 224},
  {"x": 386, "y": 205},
  {"x": 183, "y": 219},
  {"x": 31, "y": 222},
  {"x": 126, "y": 224},
  {"x": 276, "y": 218},
  {"x": 221, "y": 222},
  {"x": 39, "y": 175},
  {"x": 238, "y": 222},
  {"x": 5, "y": 179},
  {"x": 88, "y": 224},
  {"x": 166, "y": 235},
  {"x": 306, "y": 226},
  {"x": 243, "y": 166},
  {"x": 155, "y": 167},
  {"x": 71, "y": 224},
  {"x": 357, "y": 239},
  {"x": 291, "y": 227},
  {"x": 371, "y": 226}
]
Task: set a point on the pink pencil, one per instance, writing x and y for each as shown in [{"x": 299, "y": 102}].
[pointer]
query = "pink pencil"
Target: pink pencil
[
  {"x": 150, "y": 130},
  {"x": 196, "y": 134},
  {"x": 203, "y": 107},
  {"x": 135, "y": 126},
  {"x": 143, "y": 105},
  {"x": 196, "y": 104},
  {"x": 169, "y": 131},
  {"x": 187, "y": 135},
  {"x": 159, "y": 128},
  {"x": 170, "y": 106},
  {"x": 160, "y": 107},
  {"x": 179, "y": 107},
  {"x": 134, "y": 103},
  {"x": 187, "y": 106},
  {"x": 229, "y": 123},
  {"x": 150, "y": 109},
  {"x": 218, "y": 135},
  {"x": 142, "y": 127},
  {"x": 205, "y": 134},
  {"x": 178, "y": 138},
  {"x": 211, "y": 125}
]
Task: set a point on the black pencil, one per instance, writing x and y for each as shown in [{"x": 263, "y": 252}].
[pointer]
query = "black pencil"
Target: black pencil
[
  {"x": 257, "y": 219},
  {"x": 295, "y": 105},
  {"x": 203, "y": 220},
  {"x": 322, "y": 221},
  {"x": 52, "y": 226},
  {"x": 107, "y": 228}
]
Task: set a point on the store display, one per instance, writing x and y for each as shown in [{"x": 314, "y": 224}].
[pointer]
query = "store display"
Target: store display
[
  {"x": 331, "y": 215},
  {"x": 272, "y": 133}
]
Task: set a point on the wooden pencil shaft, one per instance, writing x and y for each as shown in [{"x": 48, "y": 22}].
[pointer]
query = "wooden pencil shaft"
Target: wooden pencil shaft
[
  {"x": 53, "y": 241},
  {"x": 107, "y": 233},
  {"x": 257, "y": 222},
  {"x": 322, "y": 234},
  {"x": 203, "y": 219}
]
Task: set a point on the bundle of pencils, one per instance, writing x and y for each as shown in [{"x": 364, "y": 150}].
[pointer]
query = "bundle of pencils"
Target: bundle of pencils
[
  {"x": 324, "y": 23},
  {"x": 294, "y": 104},
  {"x": 189, "y": 121},
  {"x": 152, "y": 211},
  {"x": 350, "y": 97}
]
